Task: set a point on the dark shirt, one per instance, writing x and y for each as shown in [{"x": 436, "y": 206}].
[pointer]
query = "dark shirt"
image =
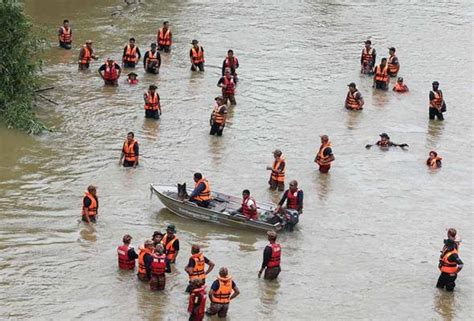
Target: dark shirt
[
  {"x": 132, "y": 255},
  {"x": 299, "y": 199},
  {"x": 389, "y": 144},
  {"x": 175, "y": 244},
  {"x": 201, "y": 187},
  {"x": 125, "y": 52},
  {"x": 281, "y": 167},
  {"x": 454, "y": 258},
  {"x": 192, "y": 262},
  {"x": 221, "y": 81},
  {"x": 135, "y": 149},
  {"x": 148, "y": 259},
  {"x": 102, "y": 68},
  {"x": 267, "y": 254},
  {"x": 215, "y": 285},
  {"x": 145, "y": 58},
  {"x": 327, "y": 151}
]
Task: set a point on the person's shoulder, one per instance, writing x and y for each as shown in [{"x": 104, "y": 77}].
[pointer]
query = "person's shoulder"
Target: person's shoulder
[{"x": 215, "y": 285}]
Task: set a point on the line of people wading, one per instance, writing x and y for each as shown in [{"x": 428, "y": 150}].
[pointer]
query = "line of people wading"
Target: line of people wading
[{"x": 155, "y": 257}]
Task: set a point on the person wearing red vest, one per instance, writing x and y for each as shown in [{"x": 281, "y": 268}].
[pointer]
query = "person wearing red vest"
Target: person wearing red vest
[
  {"x": 381, "y": 77},
  {"x": 196, "y": 55},
  {"x": 218, "y": 117},
  {"x": 367, "y": 58},
  {"x": 86, "y": 54},
  {"x": 294, "y": 206},
  {"x": 110, "y": 72},
  {"x": 230, "y": 62},
  {"x": 152, "y": 60},
  {"x": 400, "y": 87},
  {"x": 65, "y": 35},
  {"x": 392, "y": 63},
  {"x": 222, "y": 291},
  {"x": 271, "y": 258},
  {"x": 450, "y": 265},
  {"x": 277, "y": 177},
  {"x": 145, "y": 259},
  {"x": 164, "y": 38},
  {"x": 197, "y": 300},
  {"x": 90, "y": 205},
  {"x": 248, "y": 208},
  {"x": 196, "y": 266},
  {"x": 130, "y": 152},
  {"x": 152, "y": 103},
  {"x": 131, "y": 54},
  {"x": 126, "y": 254},
  {"x": 354, "y": 100},
  {"x": 171, "y": 243},
  {"x": 132, "y": 78},
  {"x": 324, "y": 157},
  {"x": 228, "y": 84},
  {"x": 159, "y": 266},
  {"x": 437, "y": 103},
  {"x": 434, "y": 161}
]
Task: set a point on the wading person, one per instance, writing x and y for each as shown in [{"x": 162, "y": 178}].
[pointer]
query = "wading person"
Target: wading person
[
  {"x": 159, "y": 266},
  {"x": 294, "y": 205},
  {"x": 132, "y": 78},
  {"x": 201, "y": 194},
  {"x": 171, "y": 243},
  {"x": 90, "y": 205},
  {"x": 197, "y": 300},
  {"x": 354, "y": 100},
  {"x": 131, "y": 54},
  {"x": 157, "y": 238},
  {"x": 152, "y": 103},
  {"x": 325, "y": 157},
  {"x": 126, "y": 254},
  {"x": 437, "y": 103},
  {"x": 381, "y": 78},
  {"x": 277, "y": 177},
  {"x": 392, "y": 64},
  {"x": 164, "y": 38},
  {"x": 450, "y": 265},
  {"x": 228, "y": 84},
  {"x": 196, "y": 267},
  {"x": 110, "y": 72},
  {"x": 130, "y": 152},
  {"x": 400, "y": 86},
  {"x": 65, "y": 35},
  {"x": 367, "y": 58},
  {"x": 86, "y": 54},
  {"x": 433, "y": 161},
  {"x": 218, "y": 117},
  {"x": 152, "y": 60},
  {"x": 271, "y": 258},
  {"x": 145, "y": 258},
  {"x": 385, "y": 142},
  {"x": 230, "y": 62},
  {"x": 196, "y": 55},
  {"x": 222, "y": 291},
  {"x": 452, "y": 235},
  {"x": 248, "y": 208}
]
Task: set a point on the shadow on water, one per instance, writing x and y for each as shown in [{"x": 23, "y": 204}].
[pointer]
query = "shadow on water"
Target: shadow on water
[
  {"x": 268, "y": 294},
  {"x": 353, "y": 119},
  {"x": 434, "y": 132},
  {"x": 88, "y": 233},
  {"x": 151, "y": 129},
  {"x": 445, "y": 304},
  {"x": 323, "y": 184},
  {"x": 216, "y": 149},
  {"x": 380, "y": 98}
]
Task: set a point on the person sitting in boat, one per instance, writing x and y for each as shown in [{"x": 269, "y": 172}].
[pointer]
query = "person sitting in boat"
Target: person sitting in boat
[
  {"x": 248, "y": 207},
  {"x": 294, "y": 205},
  {"x": 202, "y": 191}
]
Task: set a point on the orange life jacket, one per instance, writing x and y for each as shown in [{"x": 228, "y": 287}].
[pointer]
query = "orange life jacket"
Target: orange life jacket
[
  {"x": 367, "y": 55},
  {"x": 217, "y": 116},
  {"x": 446, "y": 266},
  {"x": 279, "y": 177},
  {"x": 199, "y": 292},
  {"x": 152, "y": 56},
  {"x": 66, "y": 35},
  {"x": 437, "y": 102},
  {"x": 249, "y": 213},
  {"x": 222, "y": 295},
  {"x": 87, "y": 55},
  {"x": 141, "y": 261},
  {"x": 123, "y": 261},
  {"x": 131, "y": 54},
  {"x": 169, "y": 249},
  {"x": 199, "y": 266},
  {"x": 229, "y": 84},
  {"x": 164, "y": 39},
  {"x": 401, "y": 88},
  {"x": 276, "y": 255},
  {"x": 92, "y": 209},
  {"x": 158, "y": 266},
  {"x": 230, "y": 63},
  {"x": 110, "y": 72},
  {"x": 152, "y": 101},
  {"x": 292, "y": 200},
  {"x": 128, "y": 150},
  {"x": 381, "y": 74},
  {"x": 198, "y": 55},
  {"x": 433, "y": 163},
  {"x": 205, "y": 195},
  {"x": 323, "y": 160},
  {"x": 351, "y": 101},
  {"x": 392, "y": 68}
]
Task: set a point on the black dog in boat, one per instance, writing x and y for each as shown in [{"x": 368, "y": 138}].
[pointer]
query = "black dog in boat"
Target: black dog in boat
[{"x": 182, "y": 193}]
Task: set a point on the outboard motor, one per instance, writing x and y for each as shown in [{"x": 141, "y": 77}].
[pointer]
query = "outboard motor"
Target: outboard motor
[{"x": 291, "y": 219}]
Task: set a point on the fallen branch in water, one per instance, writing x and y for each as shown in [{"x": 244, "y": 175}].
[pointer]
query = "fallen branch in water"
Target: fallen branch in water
[
  {"x": 43, "y": 89},
  {"x": 50, "y": 100}
]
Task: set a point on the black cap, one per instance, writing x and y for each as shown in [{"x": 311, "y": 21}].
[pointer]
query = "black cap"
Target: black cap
[
  {"x": 400, "y": 78},
  {"x": 153, "y": 45},
  {"x": 132, "y": 74},
  {"x": 152, "y": 87},
  {"x": 384, "y": 135},
  {"x": 435, "y": 83},
  {"x": 391, "y": 48},
  {"x": 352, "y": 84},
  {"x": 368, "y": 41},
  {"x": 194, "y": 42},
  {"x": 157, "y": 233}
]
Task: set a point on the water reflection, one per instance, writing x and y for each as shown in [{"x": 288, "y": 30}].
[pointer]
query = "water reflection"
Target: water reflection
[
  {"x": 268, "y": 294},
  {"x": 434, "y": 131},
  {"x": 323, "y": 185},
  {"x": 380, "y": 98},
  {"x": 88, "y": 232},
  {"x": 444, "y": 304},
  {"x": 353, "y": 119}
]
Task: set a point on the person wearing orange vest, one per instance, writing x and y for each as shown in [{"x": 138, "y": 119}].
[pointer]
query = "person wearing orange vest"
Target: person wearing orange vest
[
  {"x": 196, "y": 55},
  {"x": 392, "y": 63},
  {"x": 450, "y": 264},
  {"x": 218, "y": 117},
  {"x": 131, "y": 54},
  {"x": 222, "y": 291},
  {"x": 381, "y": 78},
  {"x": 271, "y": 258},
  {"x": 171, "y": 243},
  {"x": 196, "y": 266},
  {"x": 152, "y": 103},
  {"x": 248, "y": 208},
  {"x": 277, "y": 177},
  {"x": 228, "y": 84},
  {"x": 201, "y": 194},
  {"x": 230, "y": 62},
  {"x": 400, "y": 87},
  {"x": 385, "y": 143},
  {"x": 86, "y": 54},
  {"x": 164, "y": 38},
  {"x": 197, "y": 300},
  {"x": 126, "y": 254},
  {"x": 152, "y": 60},
  {"x": 367, "y": 58},
  {"x": 433, "y": 161},
  {"x": 325, "y": 157},
  {"x": 90, "y": 205},
  {"x": 65, "y": 35},
  {"x": 145, "y": 259},
  {"x": 437, "y": 103},
  {"x": 159, "y": 266},
  {"x": 130, "y": 152},
  {"x": 354, "y": 100},
  {"x": 132, "y": 78},
  {"x": 110, "y": 72}
]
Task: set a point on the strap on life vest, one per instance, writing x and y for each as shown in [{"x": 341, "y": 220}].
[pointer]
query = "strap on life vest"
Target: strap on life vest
[
  {"x": 437, "y": 102},
  {"x": 164, "y": 39},
  {"x": 446, "y": 266},
  {"x": 279, "y": 177},
  {"x": 276, "y": 256},
  {"x": 222, "y": 295},
  {"x": 152, "y": 101},
  {"x": 205, "y": 195},
  {"x": 92, "y": 209},
  {"x": 131, "y": 54},
  {"x": 129, "y": 151},
  {"x": 198, "y": 55},
  {"x": 381, "y": 74},
  {"x": 351, "y": 101},
  {"x": 65, "y": 36},
  {"x": 217, "y": 116}
]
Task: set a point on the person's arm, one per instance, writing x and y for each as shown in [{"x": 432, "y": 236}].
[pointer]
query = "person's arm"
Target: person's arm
[
  {"x": 214, "y": 288},
  {"x": 119, "y": 70},
  {"x": 223, "y": 112},
  {"x": 122, "y": 154},
  {"x": 236, "y": 291},
  {"x": 236, "y": 64},
  {"x": 374, "y": 57},
  {"x": 362, "y": 57},
  {"x": 85, "y": 205},
  {"x": 267, "y": 254},
  {"x": 300, "y": 201},
  {"x": 397, "y": 145},
  {"x": 148, "y": 259},
  {"x": 191, "y": 57},
  {"x": 124, "y": 53},
  {"x": 176, "y": 248},
  {"x": 282, "y": 201},
  {"x": 136, "y": 150},
  {"x": 145, "y": 60},
  {"x": 375, "y": 74},
  {"x": 220, "y": 83},
  {"x": 159, "y": 59},
  {"x": 168, "y": 265},
  {"x": 102, "y": 71},
  {"x": 202, "y": 50},
  {"x": 280, "y": 168},
  {"x": 132, "y": 255},
  {"x": 190, "y": 267},
  {"x": 223, "y": 70},
  {"x": 361, "y": 100},
  {"x": 211, "y": 265},
  {"x": 81, "y": 54},
  {"x": 328, "y": 153},
  {"x": 197, "y": 191},
  {"x": 139, "y": 54},
  {"x": 60, "y": 32}
]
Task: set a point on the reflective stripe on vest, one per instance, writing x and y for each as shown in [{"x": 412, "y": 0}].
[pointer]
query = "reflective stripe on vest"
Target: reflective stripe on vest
[
  {"x": 92, "y": 209},
  {"x": 164, "y": 40},
  {"x": 158, "y": 266},
  {"x": 152, "y": 101},
  {"x": 129, "y": 151},
  {"x": 292, "y": 200},
  {"x": 65, "y": 36},
  {"x": 279, "y": 177},
  {"x": 205, "y": 195},
  {"x": 381, "y": 74},
  {"x": 438, "y": 99},
  {"x": 110, "y": 73},
  {"x": 198, "y": 55},
  {"x": 141, "y": 261},
  {"x": 367, "y": 56},
  {"x": 228, "y": 64},
  {"x": 131, "y": 54},
  {"x": 123, "y": 261},
  {"x": 392, "y": 68},
  {"x": 199, "y": 266},
  {"x": 222, "y": 295},
  {"x": 152, "y": 56},
  {"x": 216, "y": 114},
  {"x": 401, "y": 88},
  {"x": 351, "y": 101},
  {"x": 276, "y": 255},
  {"x": 246, "y": 209},
  {"x": 229, "y": 86},
  {"x": 169, "y": 249},
  {"x": 323, "y": 160},
  {"x": 446, "y": 266},
  {"x": 87, "y": 55}
]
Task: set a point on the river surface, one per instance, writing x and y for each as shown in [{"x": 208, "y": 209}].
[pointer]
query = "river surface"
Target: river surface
[{"x": 368, "y": 242}]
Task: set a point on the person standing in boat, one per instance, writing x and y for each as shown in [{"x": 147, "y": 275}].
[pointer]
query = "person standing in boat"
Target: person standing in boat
[
  {"x": 196, "y": 266},
  {"x": 171, "y": 243},
  {"x": 271, "y": 258},
  {"x": 201, "y": 194}
]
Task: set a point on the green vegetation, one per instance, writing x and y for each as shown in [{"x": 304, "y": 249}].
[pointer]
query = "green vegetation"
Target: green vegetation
[{"x": 19, "y": 66}]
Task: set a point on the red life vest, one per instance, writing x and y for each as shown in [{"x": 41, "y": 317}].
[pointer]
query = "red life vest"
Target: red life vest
[
  {"x": 87, "y": 55},
  {"x": 351, "y": 101},
  {"x": 123, "y": 261},
  {"x": 158, "y": 266},
  {"x": 276, "y": 254},
  {"x": 437, "y": 102},
  {"x": 401, "y": 88},
  {"x": 66, "y": 35},
  {"x": 199, "y": 292},
  {"x": 292, "y": 199},
  {"x": 367, "y": 55},
  {"x": 230, "y": 63},
  {"x": 152, "y": 56},
  {"x": 110, "y": 72},
  {"x": 229, "y": 84},
  {"x": 249, "y": 213},
  {"x": 132, "y": 81}
]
